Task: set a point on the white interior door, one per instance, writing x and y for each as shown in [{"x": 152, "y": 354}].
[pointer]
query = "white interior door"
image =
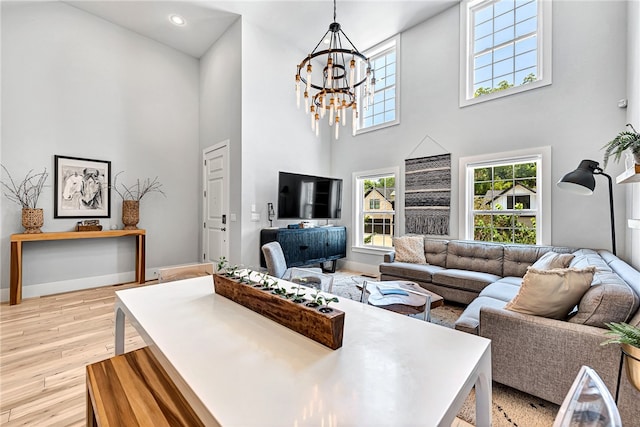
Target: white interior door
[{"x": 216, "y": 202}]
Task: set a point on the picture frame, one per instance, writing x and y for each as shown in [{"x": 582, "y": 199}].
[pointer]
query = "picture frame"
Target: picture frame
[{"x": 81, "y": 188}]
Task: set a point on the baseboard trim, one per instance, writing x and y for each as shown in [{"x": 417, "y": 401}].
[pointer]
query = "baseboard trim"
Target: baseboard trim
[
  {"x": 50, "y": 288},
  {"x": 366, "y": 269}
]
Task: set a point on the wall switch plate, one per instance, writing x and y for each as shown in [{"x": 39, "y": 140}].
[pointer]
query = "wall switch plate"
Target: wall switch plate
[
  {"x": 233, "y": 217},
  {"x": 255, "y": 217}
]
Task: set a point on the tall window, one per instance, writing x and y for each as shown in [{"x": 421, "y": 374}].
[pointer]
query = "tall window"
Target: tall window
[
  {"x": 506, "y": 49},
  {"x": 375, "y": 200},
  {"x": 382, "y": 110},
  {"x": 506, "y": 201}
]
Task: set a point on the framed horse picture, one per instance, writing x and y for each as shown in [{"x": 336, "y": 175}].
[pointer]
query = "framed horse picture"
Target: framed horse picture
[{"x": 82, "y": 188}]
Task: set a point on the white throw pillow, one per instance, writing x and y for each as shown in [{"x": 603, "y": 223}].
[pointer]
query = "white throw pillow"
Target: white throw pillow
[
  {"x": 551, "y": 293},
  {"x": 552, "y": 260},
  {"x": 410, "y": 249}
]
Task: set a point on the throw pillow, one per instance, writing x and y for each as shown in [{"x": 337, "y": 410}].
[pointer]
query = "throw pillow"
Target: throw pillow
[
  {"x": 551, "y": 293},
  {"x": 410, "y": 249},
  {"x": 553, "y": 260}
]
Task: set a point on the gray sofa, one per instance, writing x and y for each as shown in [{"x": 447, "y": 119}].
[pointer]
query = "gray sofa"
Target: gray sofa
[{"x": 537, "y": 355}]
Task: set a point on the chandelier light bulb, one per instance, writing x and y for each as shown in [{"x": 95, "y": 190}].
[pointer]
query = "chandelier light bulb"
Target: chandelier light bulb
[
  {"x": 331, "y": 110},
  {"x": 352, "y": 73},
  {"x": 329, "y": 71},
  {"x": 306, "y": 102},
  {"x": 354, "y": 118},
  {"x": 313, "y": 117},
  {"x": 317, "y": 125},
  {"x": 298, "y": 91},
  {"x": 344, "y": 112},
  {"x": 308, "y": 77},
  {"x": 337, "y": 126}
]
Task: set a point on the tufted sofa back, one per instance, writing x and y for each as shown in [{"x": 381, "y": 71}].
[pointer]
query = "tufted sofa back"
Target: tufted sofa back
[
  {"x": 475, "y": 256},
  {"x": 435, "y": 250},
  {"x": 517, "y": 258}
]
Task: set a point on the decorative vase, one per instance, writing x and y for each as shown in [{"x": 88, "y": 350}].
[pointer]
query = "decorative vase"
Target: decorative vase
[
  {"x": 130, "y": 214},
  {"x": 632, "y": 356},
  {"x": 32, "y": 220},
  {"x": 636, "y": 156}
]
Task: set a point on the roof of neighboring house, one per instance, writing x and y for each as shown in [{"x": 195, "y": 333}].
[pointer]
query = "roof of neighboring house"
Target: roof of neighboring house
[
  {"x": 494, "y": 194},
  {"x": 387, "y": 193}
]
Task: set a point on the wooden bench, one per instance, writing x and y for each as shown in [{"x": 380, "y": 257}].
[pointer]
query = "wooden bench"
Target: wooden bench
[{"x": 131, "y": 390}]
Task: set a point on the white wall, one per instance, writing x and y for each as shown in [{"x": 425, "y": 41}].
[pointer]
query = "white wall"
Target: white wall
[
  {"x": 221, "y": 118},
  {"x": 633, "y": 117},
  {"x": 276, "y": 136},
  {"x": 576, "y": 115},
  {"x": 76, "y": 85}
]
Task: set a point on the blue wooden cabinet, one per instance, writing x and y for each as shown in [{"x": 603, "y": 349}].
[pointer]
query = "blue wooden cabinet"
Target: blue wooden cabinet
[{"x": 305, "y": 246}]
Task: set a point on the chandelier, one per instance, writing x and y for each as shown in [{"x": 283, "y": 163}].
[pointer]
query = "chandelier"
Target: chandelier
[{"x": 334, "y": 90}]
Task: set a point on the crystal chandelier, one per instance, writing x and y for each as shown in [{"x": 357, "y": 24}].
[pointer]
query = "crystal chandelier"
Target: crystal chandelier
[{"x": 334, "y": 92}]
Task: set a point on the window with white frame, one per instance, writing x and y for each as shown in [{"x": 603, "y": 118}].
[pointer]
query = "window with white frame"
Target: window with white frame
[
  {"x": 374, "y": 207},
  {"x": 505, "y": 48},
  {"x": 382, "y": 109},
  {"x": 505, "y": 200}
]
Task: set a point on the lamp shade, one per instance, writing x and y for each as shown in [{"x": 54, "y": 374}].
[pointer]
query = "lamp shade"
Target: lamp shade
[{"x": 581, "y": 180}]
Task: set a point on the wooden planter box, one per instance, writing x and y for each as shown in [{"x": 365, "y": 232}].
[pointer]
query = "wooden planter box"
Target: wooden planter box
[{"x": 325, "y": 328}]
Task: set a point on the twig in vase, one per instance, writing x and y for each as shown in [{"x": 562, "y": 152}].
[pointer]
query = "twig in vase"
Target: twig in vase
[
  {"x": 138, "y": 190},
  {"x": 27, "y": 193}
]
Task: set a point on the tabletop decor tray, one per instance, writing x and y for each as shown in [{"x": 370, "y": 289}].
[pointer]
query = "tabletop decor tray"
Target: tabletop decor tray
[{"x": 325, "y": 328}]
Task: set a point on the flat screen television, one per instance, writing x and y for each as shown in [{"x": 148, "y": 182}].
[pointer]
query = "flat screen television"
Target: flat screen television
[{"x": 308, "y": 197}]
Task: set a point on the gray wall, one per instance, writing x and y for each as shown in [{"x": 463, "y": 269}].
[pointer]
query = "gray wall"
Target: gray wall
[
  {"x": 221, "y": 118},
  {"x": 276, "y": 136},
  {"x": 76, "y": 85},
  {"x": 633, "y": 117},
  {"x": 576, "y": 115}
]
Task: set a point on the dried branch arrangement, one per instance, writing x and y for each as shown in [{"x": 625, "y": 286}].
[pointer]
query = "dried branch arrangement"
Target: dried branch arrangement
[
  {"x": 138, "y": 190},
  {"x": 27, "y": 192}
]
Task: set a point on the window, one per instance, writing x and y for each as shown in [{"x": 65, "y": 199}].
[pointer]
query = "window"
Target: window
[
  {"x": 506, "y": 48},
  {"x": 383, "y": 109},
  {"x": 374, "y": 207},
  {"x": 507, "y": 197}
]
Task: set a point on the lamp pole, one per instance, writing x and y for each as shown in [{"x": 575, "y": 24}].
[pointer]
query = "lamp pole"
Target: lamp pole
[{"x": 599, "y": 171}]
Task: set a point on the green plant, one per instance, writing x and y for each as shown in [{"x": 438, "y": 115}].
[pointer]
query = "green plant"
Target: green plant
[
  {"x": 27, "y": 192},
  {"x": 325, "y": 300},
  {"x": 625, "y": 140},
  {"x": 623, "y": 333},
  {"x": 222, "y": 264},
  {"x": 138, "y": 190}
]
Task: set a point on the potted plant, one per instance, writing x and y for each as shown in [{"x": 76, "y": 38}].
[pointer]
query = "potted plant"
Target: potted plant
[
  {"x": 628, "y": 336},
  {"x": 131, "y": 196},
  {"x": 625, "y": 140},
  {"x": 26, "y": 194}
]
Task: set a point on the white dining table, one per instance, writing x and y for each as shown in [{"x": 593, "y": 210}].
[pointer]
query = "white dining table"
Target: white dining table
[{"x": 238, "y": 368}]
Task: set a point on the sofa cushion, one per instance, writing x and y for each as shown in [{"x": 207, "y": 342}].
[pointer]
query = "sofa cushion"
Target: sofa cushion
[
  {"x": 552, "y": 260},
  {"x": 586, "y": 258},
  {"x": 435, "y": 250},
  {"x": 551, "y": 293},
  {"x": 474, "y": 281},
  {"x": 630, "y": 275},
  {"x": 420, "y": 272},
  {"x": 469, "y": 320},
  {"x": 475, "y": 256},
  {"x": 517, "y": 258},
  {"x": 410, "y": 249},
  {"x": 503, "y": 290}
]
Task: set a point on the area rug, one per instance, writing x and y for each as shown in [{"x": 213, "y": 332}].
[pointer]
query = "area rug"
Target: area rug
[{"x": 511, "y": 408}]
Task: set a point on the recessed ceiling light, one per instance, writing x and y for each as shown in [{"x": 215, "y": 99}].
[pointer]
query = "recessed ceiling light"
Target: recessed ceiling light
[{"x": 177, "y": 20}]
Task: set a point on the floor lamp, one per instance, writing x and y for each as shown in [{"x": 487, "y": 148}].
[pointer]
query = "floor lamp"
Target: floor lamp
[{"x": 581, "y": 181}]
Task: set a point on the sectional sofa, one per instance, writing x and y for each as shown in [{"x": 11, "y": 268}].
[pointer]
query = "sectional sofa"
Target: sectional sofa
[{"x": 538, "y": 355}]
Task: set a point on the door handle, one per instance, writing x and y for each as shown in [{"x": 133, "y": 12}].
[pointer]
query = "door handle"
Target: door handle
[{"x": 223, "y": 229}]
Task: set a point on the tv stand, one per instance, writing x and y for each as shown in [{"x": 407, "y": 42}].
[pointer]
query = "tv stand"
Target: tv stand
[{"x": 306, "y": 246}]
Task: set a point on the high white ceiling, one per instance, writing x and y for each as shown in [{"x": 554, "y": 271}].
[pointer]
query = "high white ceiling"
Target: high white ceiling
[{"x": 301, "y": 22}]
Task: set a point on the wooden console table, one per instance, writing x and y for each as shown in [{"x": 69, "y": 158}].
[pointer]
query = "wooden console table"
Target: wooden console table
[{"x": 15, "y": 291}]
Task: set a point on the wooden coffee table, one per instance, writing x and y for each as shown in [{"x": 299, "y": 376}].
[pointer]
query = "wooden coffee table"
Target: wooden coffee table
[{"x": 400, "y": 296}]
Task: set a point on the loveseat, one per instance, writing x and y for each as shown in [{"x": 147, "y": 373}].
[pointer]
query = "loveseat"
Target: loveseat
[{"x": 538, "y": 355}]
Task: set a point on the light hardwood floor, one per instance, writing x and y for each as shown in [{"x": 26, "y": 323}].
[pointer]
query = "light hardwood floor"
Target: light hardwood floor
[{"x": 45, "y": 344}]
